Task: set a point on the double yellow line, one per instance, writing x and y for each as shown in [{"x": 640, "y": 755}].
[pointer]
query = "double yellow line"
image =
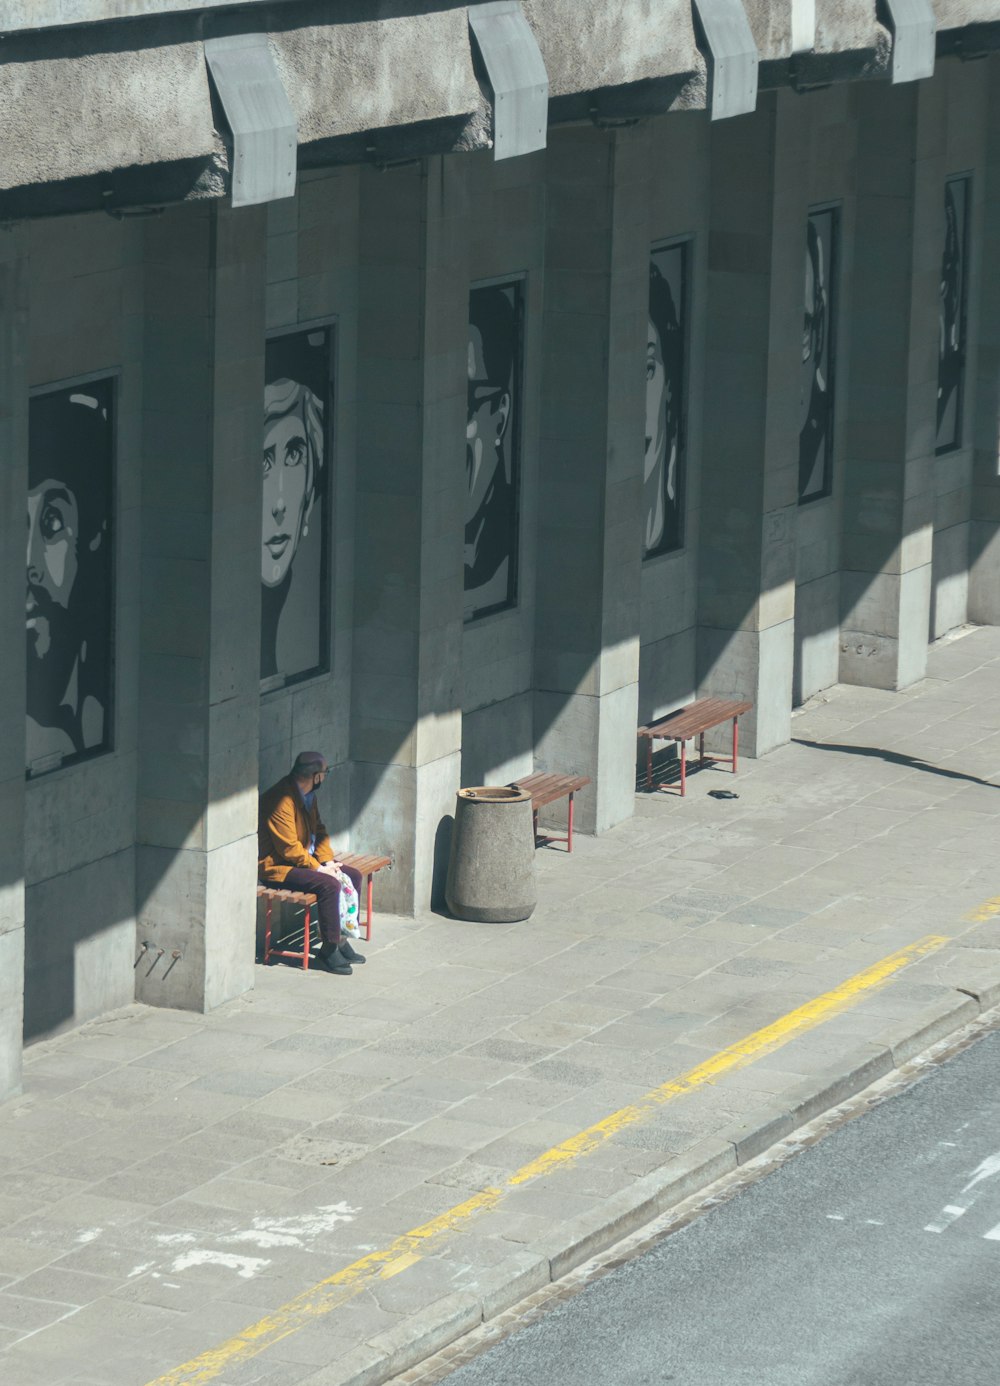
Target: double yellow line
[{"x": 328, "y": 1294}]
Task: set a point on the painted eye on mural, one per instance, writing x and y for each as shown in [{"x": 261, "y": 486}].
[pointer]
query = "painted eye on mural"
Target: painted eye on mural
[
  {"x": 52, "y": 523},
  {"x": 268, "y": 460},
  {"x": 295, "y": 452}
]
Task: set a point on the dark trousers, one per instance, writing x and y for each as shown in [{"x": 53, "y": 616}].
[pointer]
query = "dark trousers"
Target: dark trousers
[{"x": 326, "y": 888}]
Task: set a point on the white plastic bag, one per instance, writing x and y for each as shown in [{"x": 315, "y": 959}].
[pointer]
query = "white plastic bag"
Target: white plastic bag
[{"x": 348, "y": 907}]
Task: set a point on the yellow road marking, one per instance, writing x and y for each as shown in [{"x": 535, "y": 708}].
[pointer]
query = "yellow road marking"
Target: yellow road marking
[
  {"x": 985, "y": 911},
  {"x": 406, "y": 1250}
]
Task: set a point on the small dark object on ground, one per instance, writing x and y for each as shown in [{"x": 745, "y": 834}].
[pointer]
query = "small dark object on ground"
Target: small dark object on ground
[{"x": 722, "y": 794}]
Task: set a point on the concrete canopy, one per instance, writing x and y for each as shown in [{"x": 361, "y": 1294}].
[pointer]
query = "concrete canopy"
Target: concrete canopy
[{"x": 74, "y": 103}]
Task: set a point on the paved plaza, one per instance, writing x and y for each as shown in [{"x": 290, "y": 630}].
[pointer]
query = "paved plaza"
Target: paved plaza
[{"x": 173, "y": 1178}]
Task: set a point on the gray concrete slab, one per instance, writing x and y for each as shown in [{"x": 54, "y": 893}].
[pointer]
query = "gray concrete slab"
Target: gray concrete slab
[{"x": 194, "y": 1173}]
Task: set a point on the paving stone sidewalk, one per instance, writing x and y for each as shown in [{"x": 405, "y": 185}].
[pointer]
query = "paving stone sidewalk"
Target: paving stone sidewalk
[{"x": 172, "y": 1178}]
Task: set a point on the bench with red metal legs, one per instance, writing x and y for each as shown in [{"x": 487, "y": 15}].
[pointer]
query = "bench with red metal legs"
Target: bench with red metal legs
[
  {"x": 294, "y": 897},
  {"x": 367, "y": 864},
  {"x": 545, "y": 789},
  {"x": 694, "y": 721}
]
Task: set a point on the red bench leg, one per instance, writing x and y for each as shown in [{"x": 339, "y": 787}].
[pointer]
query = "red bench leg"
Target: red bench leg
[
  {"x": 736, "y": 741},
  {"x": 701, "y": 750},
  {"x": 305, "y": 939},
  {"x": 684, "y": 751},
  {"x": 267, "y": 934},
  {"x": 368, "y": 917},
  {"x": 569, "y": 839}
]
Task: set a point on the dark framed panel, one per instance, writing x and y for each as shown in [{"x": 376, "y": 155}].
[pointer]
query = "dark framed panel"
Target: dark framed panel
[
  {"x": 69, "y": 606},
  {"x": 665, "y": 467},
  {"x": 953, "y": 313},
  {"x": 493, "y": 447},
  {"x": 817, "y": 380},
  {"x": 295, "y": 508}
]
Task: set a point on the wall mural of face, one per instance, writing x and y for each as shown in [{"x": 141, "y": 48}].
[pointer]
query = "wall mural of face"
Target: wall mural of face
[
  {"x": 491, "y": 449},
  {"x": 663, "y": 465},
  {"x": 290, "y": 464},
  {"x": 68, "y": 569},
  {"x": 816, "y": 378},
  {"x": 951, "y": 316},
  {"x": 294, "y": 539}
]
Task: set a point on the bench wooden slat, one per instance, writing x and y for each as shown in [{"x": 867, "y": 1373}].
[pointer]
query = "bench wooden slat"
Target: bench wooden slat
[
  {"x": 545, "y": 787},
  {"x": 363, "y": 861},
  {"x": 694, "y": 719}
]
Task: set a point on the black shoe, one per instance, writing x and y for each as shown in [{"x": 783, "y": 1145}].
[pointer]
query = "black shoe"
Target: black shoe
[
  {"x": 351, "y": 954},
  {"x": 330, "y": 958}
]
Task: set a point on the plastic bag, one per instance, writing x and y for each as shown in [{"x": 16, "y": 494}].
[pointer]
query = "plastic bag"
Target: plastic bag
[{"x": 348, "y": 903}]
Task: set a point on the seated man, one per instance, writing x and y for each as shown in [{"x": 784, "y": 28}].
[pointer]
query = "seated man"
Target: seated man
[{"x": 294, "y": 854}]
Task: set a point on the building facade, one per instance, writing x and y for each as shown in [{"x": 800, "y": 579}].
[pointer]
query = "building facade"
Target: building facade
[{"x": 687, "y": 385}]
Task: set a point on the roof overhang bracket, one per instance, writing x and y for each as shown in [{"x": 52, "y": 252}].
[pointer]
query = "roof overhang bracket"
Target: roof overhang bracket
[
  {"x": 914, "y": 36},
  {"x": 260, "y": 117},
  {"x": 516, "y": 71},
  {"x": 732, "y": 57}
]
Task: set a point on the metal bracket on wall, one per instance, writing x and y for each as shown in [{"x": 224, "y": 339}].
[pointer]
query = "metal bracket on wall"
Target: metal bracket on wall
[
  {"x": 914, "y": 37},
  {"x": 260, "y": 116},
  {"x": 732, "y": 57},
  {"x": 516, "y": 71}
]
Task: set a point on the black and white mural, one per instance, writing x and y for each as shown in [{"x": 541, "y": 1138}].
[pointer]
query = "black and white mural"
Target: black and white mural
[
  {"x": 816, "y": 381},
  {"x": 69, "y": 602},
  {"x": 492, "y": 436},
  {"x": 294, "y": 543},
  {"x": 952, "y": 314},
  {"x": 666, "y": 339}
]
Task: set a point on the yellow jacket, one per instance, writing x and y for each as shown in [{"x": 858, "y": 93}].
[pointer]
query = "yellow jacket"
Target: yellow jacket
[{"x": 284, "y": 828}]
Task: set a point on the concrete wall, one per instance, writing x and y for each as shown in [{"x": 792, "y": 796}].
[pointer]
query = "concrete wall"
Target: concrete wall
[
  {"x": 960, "y": 93},
  {"x": 159, "y": 835},
  {"x": 312, "y": 276},
  {"x": 822, "y": 174},
  {"x": 13, "y": 489},
  {"x": 505, "y": 209},
  {"x": 86, "y": 298},
  {"x": 678, "y": 208}
]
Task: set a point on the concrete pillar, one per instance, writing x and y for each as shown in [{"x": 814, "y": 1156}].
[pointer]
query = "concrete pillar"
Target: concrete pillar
[
  {"x": 750, "y": 457},
  {"x": 984, "y": 574},
  {"x": 591, "y": 458},
  {"x": 888, "y": 512},
  {"x": 199, "y": 694},
  {"x": 412, "y": 373},
  {"x": 13, "y": 490}
]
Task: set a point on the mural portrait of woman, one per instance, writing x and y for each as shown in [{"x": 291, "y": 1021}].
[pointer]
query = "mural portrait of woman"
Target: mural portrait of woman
[
  {"x": 69, "y": 603},
  {"x": 816, "y": 379},
  {"x": 492, "y": 457},
  {"x": 294, "y": 559},
  {"x": 663, "y": 472},
  {"x": 951, "y": 316}
]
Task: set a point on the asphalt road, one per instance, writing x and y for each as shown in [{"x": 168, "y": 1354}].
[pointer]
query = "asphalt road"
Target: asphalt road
[{"x": 850, "y": 1265}]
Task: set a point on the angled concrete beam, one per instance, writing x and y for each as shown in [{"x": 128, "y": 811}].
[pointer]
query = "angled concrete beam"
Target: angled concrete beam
[
  {"x": 732, "y": 57},
  {"x": 260, "y": 117},
  {"x": 803, "y": 26},
  {"x": 914, "y": 32},
  {"x": 517, "y": 74}
]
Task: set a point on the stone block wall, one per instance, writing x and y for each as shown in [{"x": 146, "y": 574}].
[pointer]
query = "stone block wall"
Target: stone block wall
[{"x": 86, "y": 296}]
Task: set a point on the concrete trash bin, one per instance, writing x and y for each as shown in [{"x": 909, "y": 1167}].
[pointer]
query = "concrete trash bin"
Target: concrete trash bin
[{"x": 491, "y": 867}]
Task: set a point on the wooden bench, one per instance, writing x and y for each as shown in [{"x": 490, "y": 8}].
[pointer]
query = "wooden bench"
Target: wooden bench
[
  {"x": 367, "y": 864},
  {"x": 546, "y": 789},
  {"x": 694, "y": 721}
]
